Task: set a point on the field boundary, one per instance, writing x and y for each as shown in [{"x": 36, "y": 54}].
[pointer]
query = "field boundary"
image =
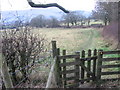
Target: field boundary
[{"x": 87, "y": 66}]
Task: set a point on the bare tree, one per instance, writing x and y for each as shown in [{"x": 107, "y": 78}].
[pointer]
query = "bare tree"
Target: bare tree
[
  {"x": 53, "y": 22},
  {"x": 73, "y": 18},
  {"x": 106, "y": 11},
  {"x": 38, "y": 21}
]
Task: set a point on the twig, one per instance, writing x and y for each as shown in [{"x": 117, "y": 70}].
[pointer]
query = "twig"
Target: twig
[{"x": 47, "y": 5}]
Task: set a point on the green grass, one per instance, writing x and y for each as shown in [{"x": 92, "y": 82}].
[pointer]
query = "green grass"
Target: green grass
[
  {"x": 77, "y": 39},
  {"x": 97, "y": 22},
  {"x": 73, "y": 39}
]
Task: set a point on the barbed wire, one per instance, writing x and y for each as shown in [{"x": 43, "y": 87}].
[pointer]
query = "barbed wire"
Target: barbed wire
[
  {"x": 49, "y": 53},
  {"x": 21, "y": 81},
  {"x": 29, "y": 66},
  {"x": 21, "y": 69},
  {"x": 27, "y": 76}
]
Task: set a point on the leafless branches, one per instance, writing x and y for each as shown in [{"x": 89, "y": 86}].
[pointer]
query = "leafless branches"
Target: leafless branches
[
  {"x": 32, "y": 4},
  {"x": 22, "y": 48}
]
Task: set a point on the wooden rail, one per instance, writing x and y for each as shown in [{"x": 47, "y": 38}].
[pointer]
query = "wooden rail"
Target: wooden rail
[
  {"x": 82, "y": 73},
  {"x": 101, "y": 66},
  {"x": 86, "y": 67}
]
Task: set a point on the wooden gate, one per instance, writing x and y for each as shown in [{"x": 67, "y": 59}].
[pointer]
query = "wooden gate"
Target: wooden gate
[
  {"x": 81, "y": 67},
  {"x": 74, "y": 70}
]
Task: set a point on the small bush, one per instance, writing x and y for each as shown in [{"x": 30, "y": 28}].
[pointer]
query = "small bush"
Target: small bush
[{"x": 21, "y": 49}]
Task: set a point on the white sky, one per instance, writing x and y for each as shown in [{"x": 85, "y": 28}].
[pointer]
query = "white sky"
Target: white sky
[{"x": 86, "y": 5}]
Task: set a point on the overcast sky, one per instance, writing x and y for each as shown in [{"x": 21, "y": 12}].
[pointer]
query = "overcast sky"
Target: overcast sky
[{"x": 86, "y": 5}]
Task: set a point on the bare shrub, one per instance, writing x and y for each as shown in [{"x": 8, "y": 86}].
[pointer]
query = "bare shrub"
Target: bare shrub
[
  {"x": 21, "y": 49},
  {"x": 111, "y": 33}
]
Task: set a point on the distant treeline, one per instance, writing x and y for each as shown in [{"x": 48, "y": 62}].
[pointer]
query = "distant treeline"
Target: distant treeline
[{"x": 67, "y": 20}]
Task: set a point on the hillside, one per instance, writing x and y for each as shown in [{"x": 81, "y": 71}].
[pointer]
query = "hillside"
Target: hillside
[{"x": 28, "y": 14}]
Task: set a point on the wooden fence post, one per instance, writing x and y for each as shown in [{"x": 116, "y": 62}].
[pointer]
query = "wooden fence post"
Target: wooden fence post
[
  {"x": 64, "y": 69},
  {"x": 5, "y": 73},
  {"x": 94, "y": 63},
  {"x": 99, "y": 63},
  {"x": 89, "y": 64},
  {"x": 77, "y": 74},
  {"x": 82, "y": 70},
  {"x": 59, "y": 68},
  {"x": 55, "y": 53},
  {"x": 54, "y": 48},
  {"x": 58, "y": 76}
]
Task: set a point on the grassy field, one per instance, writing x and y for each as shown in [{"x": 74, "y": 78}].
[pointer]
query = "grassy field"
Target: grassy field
[
  {"x": 73, "y": 39},
  {"x": 76, "y": 40}
]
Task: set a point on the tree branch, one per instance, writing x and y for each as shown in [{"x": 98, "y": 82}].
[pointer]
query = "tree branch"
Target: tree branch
[{"x": 47, "y": 5}]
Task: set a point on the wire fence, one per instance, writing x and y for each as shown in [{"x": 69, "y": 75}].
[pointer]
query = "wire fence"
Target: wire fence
[
  {"x": 47, "y": 61},
  {"x": 21, "y": 81}
]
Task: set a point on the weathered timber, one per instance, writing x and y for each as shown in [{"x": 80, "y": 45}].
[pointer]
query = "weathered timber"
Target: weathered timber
[
  {"x": 64, "y": 69},
  {"x": 99, "y": 63},
  {"x": 111, "y": 52},
  {"x": 110, "y": 79},
  {"x": 59, "y": 68},
  {"x": 110, "y": 66},
  {"x": 69, "y": 64},
  {"x": 54, "y": 48},
  {"x": 110, "y": 73},
  {"x": 77, "y": 68},
  {"x": 72, "y": 78},
  {"x": 69, "y": 78},
  {"x": 111, "y": 59},
  {"x": 89, "y": 64},
  {"x": 74, "y": 63},
  {"x": 86, "y": 69},
  {"x": 82, "y": 69},
  {"x": 94, "y": 62},
  {"x": 68, "y": 56},
  {"x": 69, "y": 71},
  {"x": 89, "y": 58}
]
